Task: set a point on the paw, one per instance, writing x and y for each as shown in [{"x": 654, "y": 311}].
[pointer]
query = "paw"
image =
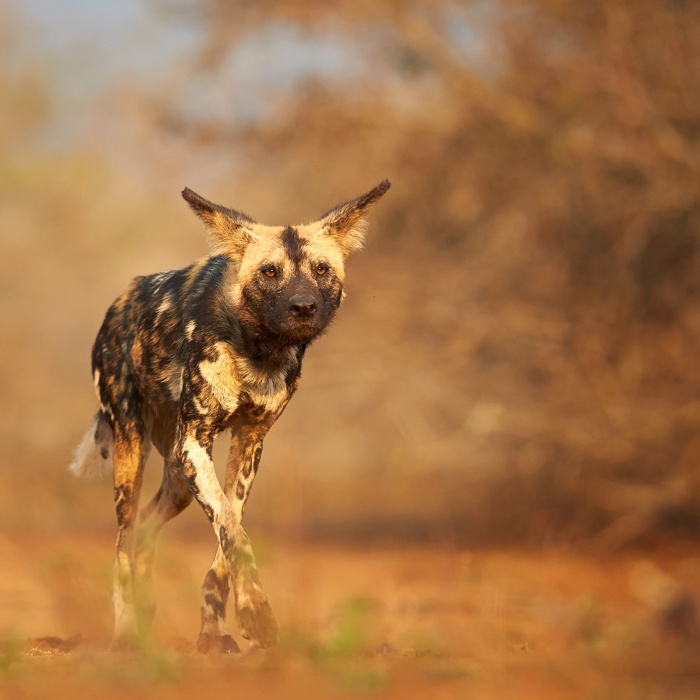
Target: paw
[
  {"x": 258, "y": 624},
  {"x": 217, "y": 644}
]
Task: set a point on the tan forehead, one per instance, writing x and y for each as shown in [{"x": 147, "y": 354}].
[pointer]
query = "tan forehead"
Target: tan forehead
[{"x": 267, "y": 246}]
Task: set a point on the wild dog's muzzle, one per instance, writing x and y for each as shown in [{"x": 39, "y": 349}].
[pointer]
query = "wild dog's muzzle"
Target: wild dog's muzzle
[
  {"x": 302, "y": 317},
  {"x": 302, "y": 306}
]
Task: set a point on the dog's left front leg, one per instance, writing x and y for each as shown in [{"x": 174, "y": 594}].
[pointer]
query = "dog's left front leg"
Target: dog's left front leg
[
  {"x": 241, "y": 468},
  {"x": 234, "y": 554}
]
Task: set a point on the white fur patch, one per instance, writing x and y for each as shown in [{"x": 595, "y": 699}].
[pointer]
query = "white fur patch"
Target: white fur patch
[
  {"x": 164, "y": 306},
  {"x": 221, "y": 375},
  {"x": 197, "y": 454},
  {"x": 205, "y": 478},
  {"x": 88, "y": 461},
  {"x": 189, "y": 329}
]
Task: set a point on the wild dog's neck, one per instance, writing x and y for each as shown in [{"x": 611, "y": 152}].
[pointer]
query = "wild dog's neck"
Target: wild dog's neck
[{"x": 266, "y": 348}]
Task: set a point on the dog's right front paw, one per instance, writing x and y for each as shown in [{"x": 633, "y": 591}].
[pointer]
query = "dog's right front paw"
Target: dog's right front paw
[{"x": 217, "y": 644}]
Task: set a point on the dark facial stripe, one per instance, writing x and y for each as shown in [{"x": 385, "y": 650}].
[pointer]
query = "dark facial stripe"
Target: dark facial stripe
[{"x": 293, "y": 245}]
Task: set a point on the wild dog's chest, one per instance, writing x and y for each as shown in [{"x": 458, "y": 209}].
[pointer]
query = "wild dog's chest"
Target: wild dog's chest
[{"x": 234, "y": 383}]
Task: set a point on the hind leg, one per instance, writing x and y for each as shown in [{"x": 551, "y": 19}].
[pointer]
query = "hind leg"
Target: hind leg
[
  {"x": 172, "y": 498},
  {"x": 130, "y": 452}
]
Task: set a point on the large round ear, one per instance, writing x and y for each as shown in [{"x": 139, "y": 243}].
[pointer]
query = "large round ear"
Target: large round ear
[
  {"x": 347, "y": 222},
  {"x": 229, "y": 230}
]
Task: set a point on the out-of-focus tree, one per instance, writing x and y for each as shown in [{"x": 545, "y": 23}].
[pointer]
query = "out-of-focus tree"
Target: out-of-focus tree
[
  {"x": 546, "y": 155},
  {"x": 517, "y": 353}
]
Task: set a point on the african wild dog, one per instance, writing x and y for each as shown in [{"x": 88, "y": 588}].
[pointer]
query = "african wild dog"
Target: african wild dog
[{"x": 182, "y": 356}]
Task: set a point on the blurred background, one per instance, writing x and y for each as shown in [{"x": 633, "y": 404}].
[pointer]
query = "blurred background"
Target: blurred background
[{"x": 516, "y": 361}]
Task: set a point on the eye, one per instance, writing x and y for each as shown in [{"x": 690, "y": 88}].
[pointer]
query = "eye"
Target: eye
[
  {"x": 321, "y": 269},
  {"x": 269, "y": 271}
]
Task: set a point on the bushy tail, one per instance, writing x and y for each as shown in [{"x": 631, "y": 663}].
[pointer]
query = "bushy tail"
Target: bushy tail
[{"x": 93, "y": 456}]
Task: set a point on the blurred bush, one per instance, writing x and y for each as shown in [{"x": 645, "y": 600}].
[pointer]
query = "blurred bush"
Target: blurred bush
[{"x": 516, "y": 359}]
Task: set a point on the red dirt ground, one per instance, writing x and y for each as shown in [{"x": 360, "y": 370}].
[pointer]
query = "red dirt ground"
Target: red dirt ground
[{"x": 385, "y": 622}]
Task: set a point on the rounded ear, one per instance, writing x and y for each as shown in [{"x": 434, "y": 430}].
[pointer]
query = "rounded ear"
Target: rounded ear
[
  {"x": 347, "y": 222},
  {"x": 229, "y": 230}
]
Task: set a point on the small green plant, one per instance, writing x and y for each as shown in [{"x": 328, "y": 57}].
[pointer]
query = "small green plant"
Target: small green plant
[
  {"x": 10, "y": 654},
  {"x": 351, "y": 634},
  {"x": 344, "y": 655}
]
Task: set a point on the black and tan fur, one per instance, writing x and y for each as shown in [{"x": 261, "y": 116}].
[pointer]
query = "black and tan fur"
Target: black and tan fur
[{"x": 184, "y": 355}]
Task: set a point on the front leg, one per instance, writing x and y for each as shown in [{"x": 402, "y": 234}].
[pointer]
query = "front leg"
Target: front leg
[
  {"x": 234, "y": 554},
  {"x": 252, "y": 609}
]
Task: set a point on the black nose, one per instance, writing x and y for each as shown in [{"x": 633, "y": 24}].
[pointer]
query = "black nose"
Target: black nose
[{"x": 302, "y": 305}]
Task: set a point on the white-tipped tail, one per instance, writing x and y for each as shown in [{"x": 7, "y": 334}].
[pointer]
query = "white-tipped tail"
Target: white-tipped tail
[{"x": 93, "y": 456}]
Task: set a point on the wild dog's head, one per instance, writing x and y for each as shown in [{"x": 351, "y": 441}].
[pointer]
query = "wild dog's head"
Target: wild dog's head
[{"x": 290, "y": 278}]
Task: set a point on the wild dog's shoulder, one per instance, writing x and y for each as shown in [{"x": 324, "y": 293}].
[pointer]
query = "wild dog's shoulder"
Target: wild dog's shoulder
[
  {"x": 164, "y": 308},
  {"x": 148, "y": 328},
  {"x": 178, "y": 293},
  {"x": 145, "y": 297},
  {"x": 210, "y": 387}
]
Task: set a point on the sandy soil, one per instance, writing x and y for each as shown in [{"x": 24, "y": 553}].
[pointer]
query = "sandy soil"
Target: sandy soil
[{"x": 389, "y": 622}]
